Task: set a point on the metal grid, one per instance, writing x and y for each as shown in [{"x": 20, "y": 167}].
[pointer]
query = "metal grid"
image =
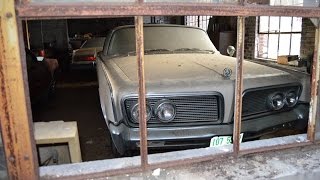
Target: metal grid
[{"x": 17, "y": 161}]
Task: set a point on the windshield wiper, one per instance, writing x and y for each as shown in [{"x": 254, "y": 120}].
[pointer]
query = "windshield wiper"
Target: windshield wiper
[
  {"x": 155, "y": 50},
  {"x": 194, "y": 49},
  {"x": 148, "y": 51}
]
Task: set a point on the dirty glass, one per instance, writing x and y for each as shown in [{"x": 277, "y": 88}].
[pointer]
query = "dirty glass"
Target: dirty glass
[
  {"x": 306, "y": 3},
  {"x": 123, "y": 40},
  {"x": 76, "y": 1},
  {"x": 195, "y": 1},
  {"x": 3, "y": 166}
]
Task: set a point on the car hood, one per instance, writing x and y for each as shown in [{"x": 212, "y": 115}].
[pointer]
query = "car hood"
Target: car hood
[{"x": 192, "y": 66}]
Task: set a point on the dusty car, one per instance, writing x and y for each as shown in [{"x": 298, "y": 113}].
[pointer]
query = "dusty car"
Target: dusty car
[
  {"x": 190, "y": 91},
  {"x": 87, "y": 53}
]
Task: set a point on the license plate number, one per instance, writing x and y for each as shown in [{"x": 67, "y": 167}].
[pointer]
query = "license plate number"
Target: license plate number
[{"x": 222, "y": 140}]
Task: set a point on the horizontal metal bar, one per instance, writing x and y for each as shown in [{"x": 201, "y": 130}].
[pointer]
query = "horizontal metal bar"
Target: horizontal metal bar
[
  {"x": 94, "y": 10},
  {"x": 274, "y": 148},
  {"x": 122, "y": 171},
  {"x": 172, "y": 159}
]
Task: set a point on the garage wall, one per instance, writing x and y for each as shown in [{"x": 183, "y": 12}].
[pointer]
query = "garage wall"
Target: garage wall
[
  {"x": 53, "y": 31},
  {"x": 98, "y": 27},
  {"x": 307, "y": 38},
  {"x": 250, "y": 37}
]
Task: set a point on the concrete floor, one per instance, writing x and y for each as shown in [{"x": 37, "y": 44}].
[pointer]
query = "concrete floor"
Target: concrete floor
[{"x": 77, "y": 99}]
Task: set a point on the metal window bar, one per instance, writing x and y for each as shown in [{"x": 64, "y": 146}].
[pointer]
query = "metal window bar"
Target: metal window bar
[
  {"x": 290, "y": 43},
  {"x": 43, "y": 11},
  {"x": 314, "y": 87},
  {"x": 142, "y": 91},
  {"x": 238, "y": 86},
  {"x": 278, "y": 36}
]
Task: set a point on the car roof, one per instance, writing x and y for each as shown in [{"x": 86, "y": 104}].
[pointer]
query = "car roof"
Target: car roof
[{"x": 157, "y": 25}]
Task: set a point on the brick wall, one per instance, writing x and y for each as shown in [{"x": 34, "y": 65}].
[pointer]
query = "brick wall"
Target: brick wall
[
  {"x": 307, "y": 38},
  {"x": 250, "y": 37}
]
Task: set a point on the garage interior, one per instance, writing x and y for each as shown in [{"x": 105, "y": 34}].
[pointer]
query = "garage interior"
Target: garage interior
[{"x": 76, "y": 95}]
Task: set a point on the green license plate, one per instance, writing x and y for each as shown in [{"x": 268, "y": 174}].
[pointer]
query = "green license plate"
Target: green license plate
[{"x": 222, "y": 140}]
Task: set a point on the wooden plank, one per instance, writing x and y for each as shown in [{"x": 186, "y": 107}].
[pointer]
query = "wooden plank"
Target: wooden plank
[{"x": 15, "y": 117}]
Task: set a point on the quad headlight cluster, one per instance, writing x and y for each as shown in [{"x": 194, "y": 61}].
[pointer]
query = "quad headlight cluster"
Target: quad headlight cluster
[
  {"x": 164, "y": 111},
  {"x": 278, "y": 100}
]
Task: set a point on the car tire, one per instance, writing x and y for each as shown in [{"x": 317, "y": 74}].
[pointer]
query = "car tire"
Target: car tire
[{"x": 115, "y": 152}]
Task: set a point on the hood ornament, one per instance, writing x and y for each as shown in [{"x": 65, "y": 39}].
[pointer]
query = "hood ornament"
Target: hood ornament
[{"x": 227, "y": 72}]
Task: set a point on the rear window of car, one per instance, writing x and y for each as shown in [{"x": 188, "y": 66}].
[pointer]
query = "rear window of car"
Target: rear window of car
[
  {"x": 167, "y": 37},
  {"x": 96, "y": 42}
]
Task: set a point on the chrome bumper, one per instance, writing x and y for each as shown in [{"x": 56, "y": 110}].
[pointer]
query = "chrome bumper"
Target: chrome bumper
[{"x": 127, "y": 138}]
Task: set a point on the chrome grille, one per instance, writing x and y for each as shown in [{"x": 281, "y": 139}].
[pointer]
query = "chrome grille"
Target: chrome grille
[
  {"x": 200, "y": 109},
  {"x": 255, "y": 100}
]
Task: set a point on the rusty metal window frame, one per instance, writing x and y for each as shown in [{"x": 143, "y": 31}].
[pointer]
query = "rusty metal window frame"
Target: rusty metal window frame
[{"x": 15, "y": 113}]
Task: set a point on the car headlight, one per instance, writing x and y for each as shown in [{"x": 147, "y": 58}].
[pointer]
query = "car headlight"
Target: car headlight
[
  {"x": 276, "y": 101},
  {"x": 291, "y": 98},
  {"x": 135, "y": 112},
  {"x": 165, "y": 111}
]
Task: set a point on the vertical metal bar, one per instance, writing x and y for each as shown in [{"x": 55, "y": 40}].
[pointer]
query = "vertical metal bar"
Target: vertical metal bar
[
  {"x": 314, "y": 87},
  {"x": 238, "y": 86},
  {"x": 142, "y": 91},
  {"x": 15, "y": 115},
  {"x": 279, "y": 37},
  {"x": 27, "y": 34},
  {"x": 268, "y": 37},
  {"x": 290, "y": 44}
]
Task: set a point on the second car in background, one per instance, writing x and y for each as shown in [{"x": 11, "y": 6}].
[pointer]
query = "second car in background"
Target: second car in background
[{"x": 86, "y": 54}]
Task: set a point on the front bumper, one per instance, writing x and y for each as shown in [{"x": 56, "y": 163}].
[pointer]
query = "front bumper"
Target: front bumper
[{"x": 126, "y": 138}]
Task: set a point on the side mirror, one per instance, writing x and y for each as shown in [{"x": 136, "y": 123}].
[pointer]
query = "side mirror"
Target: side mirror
[{"x": 231, "y": 50}]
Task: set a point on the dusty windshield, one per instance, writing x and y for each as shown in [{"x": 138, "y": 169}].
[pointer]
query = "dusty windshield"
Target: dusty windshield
[{"x": 162, "y": 39}]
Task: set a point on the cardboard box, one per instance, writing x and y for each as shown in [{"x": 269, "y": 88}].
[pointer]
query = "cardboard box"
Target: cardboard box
[{"x": 285, "y": 59}]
